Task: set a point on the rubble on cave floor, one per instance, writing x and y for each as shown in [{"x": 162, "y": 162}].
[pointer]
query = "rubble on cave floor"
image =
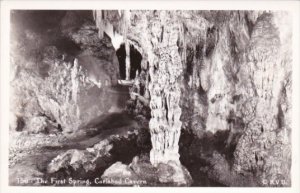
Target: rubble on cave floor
[
  {"x": 140, "y": 172},
  {"x": 78, "y": 154}
]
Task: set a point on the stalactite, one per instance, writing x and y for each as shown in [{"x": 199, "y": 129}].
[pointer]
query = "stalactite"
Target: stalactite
[
  {"x": 125, "y": 23},
  {"x": 113, "y": 29}
]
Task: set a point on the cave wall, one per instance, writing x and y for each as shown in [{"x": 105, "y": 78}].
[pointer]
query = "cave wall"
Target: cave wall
[{"x": 60, "y": 71}]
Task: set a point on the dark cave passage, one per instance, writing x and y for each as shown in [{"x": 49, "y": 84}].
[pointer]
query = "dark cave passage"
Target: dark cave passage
[
  {"x": 135, "y": 61},
  {"x": 121, "y": 54}
]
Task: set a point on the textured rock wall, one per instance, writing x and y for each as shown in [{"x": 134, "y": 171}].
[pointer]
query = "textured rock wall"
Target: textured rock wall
[
  {"x": 60, "y": 72},
  {"x": 264, "y": 149},
  {"x": 64, "y": 96}
]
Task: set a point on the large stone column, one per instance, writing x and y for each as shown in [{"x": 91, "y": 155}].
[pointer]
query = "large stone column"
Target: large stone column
[{"x": 165, "y": 75}]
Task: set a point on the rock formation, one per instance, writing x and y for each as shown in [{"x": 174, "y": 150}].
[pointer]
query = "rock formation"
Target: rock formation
[
  {"x": 99, "y": 155},
  {"x": 210, "y": 92}
]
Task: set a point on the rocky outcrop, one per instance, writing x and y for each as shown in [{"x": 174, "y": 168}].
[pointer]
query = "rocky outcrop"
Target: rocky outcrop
[
  {"x": 118, "y": 174},
  {"x": 77, "y": 159},
  {"x": 140, "y": 172},
  {"x": 92, "y": 162}
]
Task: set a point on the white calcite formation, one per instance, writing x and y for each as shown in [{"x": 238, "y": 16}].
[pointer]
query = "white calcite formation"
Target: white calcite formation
[{"x": 164, "y": 88}]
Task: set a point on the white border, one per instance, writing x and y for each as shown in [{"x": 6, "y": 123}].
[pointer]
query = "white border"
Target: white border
[{"x": 7, "y": 5}]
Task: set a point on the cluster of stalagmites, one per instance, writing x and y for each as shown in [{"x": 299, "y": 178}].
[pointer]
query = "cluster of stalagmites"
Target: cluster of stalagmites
[{"x": 214, "y": 72}]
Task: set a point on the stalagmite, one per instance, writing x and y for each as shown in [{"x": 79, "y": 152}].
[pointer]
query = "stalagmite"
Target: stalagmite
[
  {"x": 74, "y": 78},
  {"x": 166, "y": 71},
  {"x": 127, "y": 60}
]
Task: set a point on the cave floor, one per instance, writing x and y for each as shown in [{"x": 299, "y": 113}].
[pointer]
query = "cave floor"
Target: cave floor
[
  {"x": 30, "y": 159},
  {"x": 30, "y": 154}
]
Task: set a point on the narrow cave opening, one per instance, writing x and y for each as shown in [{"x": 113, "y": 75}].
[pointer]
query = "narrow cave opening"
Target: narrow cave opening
[
  {"x": 135, "y": 61},
  {"x": 121, "y": 54}
]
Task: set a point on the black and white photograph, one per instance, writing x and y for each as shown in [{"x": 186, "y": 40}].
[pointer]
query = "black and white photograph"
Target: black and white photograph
[{"x": 150, "y": 97}]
